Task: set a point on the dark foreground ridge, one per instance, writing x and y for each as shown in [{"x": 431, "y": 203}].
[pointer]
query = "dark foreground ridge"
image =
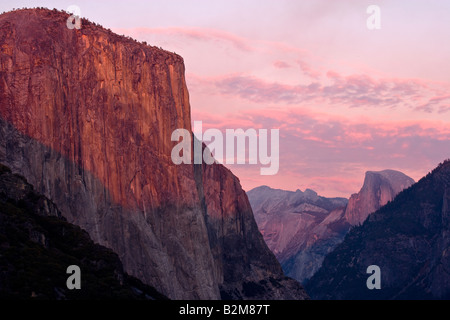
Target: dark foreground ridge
[
  {"x": 409, "y": 239},
  {"x": 37, "y": 245}
]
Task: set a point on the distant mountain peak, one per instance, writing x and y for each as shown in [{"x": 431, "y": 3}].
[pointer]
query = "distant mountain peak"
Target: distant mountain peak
[
  {"x": 302, "y": 227},
  {"x": 310, "y": 193},
  {"x": 379, "y": 188},
  {"x": 292, "y": 221}
]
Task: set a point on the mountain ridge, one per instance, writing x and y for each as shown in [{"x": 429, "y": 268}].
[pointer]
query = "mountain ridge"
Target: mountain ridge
[
  {"x": 302, "y": 234},
  {"x": 408, "y": 239}
]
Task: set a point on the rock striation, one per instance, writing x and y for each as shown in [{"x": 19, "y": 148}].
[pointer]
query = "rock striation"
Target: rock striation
[{"x": 87, "y": 116}]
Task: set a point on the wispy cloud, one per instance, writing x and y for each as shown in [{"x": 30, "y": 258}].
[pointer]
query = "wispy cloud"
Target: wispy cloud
[
  {"x": 201, "y": 34},
  {"x": 436, "y": 103},
  {"x": 354, "y": 91},
  {"x": 308, "y": 70},
  {"x": 337, "y": 118},
  {"x": 281, "y": 65},
  {"x": 321, "y": 152}
]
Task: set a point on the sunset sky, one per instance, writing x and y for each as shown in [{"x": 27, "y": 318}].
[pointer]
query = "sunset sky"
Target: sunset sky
[{"x": 345, "y": 98}]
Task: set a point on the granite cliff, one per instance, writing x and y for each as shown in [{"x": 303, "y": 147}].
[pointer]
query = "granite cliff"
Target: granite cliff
[
  {"x": 379, "y": 188},
  {"x": 86, "y": 116}
]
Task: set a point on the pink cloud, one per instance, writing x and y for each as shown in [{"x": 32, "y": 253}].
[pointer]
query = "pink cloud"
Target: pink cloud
[
  {"x": 430, "y": 105},
  {"x": 201, "y": 34},
  {"x": 353, "y": 91},
  {"x": 281, "y": 65},
  {"x": 210, "y": 121},
  {"x": 444, "y": 109},
  {"x": 330, "y": 154},
  {"x": 285, "y": 55},
  {"x": 308, "y": 70}
]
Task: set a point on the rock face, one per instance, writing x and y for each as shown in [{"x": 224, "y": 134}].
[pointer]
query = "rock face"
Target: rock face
[
  {"x": 409, "y": 239},
  {"x": 379, "y": 188},
  {"x": 299, "y": 227},
  {"x": 87, "y": 116},
  {"x": 37, "y": 245},
  {"x": 302, "y": 228}
]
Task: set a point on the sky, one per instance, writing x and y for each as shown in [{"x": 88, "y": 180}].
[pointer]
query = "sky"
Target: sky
[{"x": 346, "y": 99}]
